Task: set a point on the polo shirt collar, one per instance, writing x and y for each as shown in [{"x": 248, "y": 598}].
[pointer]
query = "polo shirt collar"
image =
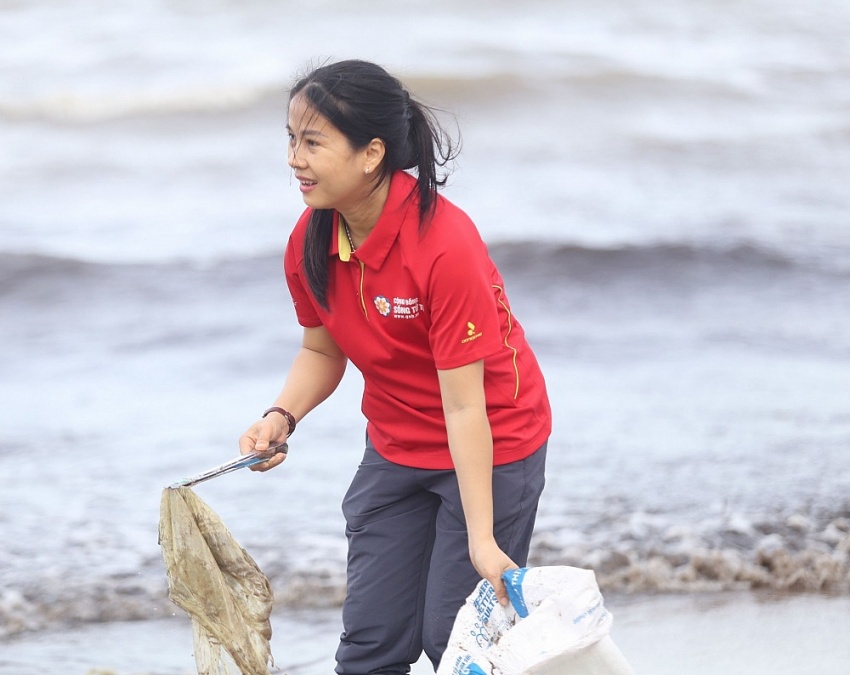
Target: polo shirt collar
[{"x": 378, "y": 244}]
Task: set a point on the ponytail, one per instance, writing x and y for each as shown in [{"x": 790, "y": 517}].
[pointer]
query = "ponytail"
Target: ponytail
[{"x": 430, "y": 147}]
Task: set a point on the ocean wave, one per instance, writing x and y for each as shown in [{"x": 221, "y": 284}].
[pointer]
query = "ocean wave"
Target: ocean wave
[
  {"x": 577, "y": 74},
  {"x": 36, "y": 280},
  {"x": 664, "y": 261},
  {"x": 530, "y": 261},
  {"x": 20, "y": 268},
  {"x": 80, "y": 108},
  {"x": 47, "y": 278},
  {"x": 641, "y": 554},
  {"x": 585, "y": 77},
  {"x": 798, "y": 553}
]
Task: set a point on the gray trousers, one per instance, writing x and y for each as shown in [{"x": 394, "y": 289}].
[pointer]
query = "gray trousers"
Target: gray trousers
[{"x": 408, "y": 557}]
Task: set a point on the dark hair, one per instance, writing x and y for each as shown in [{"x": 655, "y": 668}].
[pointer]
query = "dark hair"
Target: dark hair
[{"x": 365, "y": 102}]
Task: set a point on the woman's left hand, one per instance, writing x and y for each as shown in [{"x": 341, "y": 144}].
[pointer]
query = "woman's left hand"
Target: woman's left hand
[{"x": 491, "y": 562}]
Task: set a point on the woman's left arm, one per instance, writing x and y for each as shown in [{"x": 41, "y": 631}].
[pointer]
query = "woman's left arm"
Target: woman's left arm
[{"x": 471, "y": 447}]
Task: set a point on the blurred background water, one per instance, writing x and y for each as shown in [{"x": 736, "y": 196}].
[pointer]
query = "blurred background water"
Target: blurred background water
[{"x": 664, "y": 186}]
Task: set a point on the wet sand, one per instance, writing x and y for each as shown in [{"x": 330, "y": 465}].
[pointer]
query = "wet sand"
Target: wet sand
[{"x": 733, "y": 634}]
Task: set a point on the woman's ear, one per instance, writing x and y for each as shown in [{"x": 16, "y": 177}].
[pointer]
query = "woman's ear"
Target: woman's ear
[{"x": 374, "y": 155}]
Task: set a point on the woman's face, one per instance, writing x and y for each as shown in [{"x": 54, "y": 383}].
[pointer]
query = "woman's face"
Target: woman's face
[{"x": 330, "y": 172}]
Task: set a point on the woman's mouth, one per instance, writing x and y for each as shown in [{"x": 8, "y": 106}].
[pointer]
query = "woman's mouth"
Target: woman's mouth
[{"x": 306, "y": 185}]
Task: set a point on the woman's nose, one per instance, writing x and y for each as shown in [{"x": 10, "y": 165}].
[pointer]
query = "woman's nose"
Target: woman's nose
[{"x": 293, "y": 159}]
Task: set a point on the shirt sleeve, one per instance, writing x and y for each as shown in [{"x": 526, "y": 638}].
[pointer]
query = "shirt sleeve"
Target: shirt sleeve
[{"x": 465, "y": 323}]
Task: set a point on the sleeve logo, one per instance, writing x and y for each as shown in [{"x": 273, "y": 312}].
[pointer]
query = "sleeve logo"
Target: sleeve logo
[{"x": 471, "y": 333}]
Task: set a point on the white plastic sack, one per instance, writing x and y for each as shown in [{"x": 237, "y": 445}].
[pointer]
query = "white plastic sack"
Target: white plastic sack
[{"x": 556, "y": 623}]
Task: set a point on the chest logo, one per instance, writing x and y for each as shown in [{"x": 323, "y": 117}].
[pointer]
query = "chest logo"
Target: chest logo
[
  {"x": 382, "y": 305},
  {"x": 398, "y": 307},
  {"x": 406, "y": 308}
]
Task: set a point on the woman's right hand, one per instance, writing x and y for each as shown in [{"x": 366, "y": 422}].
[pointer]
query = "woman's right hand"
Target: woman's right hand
[{"x": 261, "y": 435}]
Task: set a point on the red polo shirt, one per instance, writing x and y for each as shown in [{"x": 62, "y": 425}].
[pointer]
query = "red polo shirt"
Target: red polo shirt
[{"x": 404, "y": 305}]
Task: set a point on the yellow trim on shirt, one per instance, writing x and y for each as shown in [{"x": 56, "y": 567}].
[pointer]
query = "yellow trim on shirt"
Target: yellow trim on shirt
[{"x": 508, "y": 334}]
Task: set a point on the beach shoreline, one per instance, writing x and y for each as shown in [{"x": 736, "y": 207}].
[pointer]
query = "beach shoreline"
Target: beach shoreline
[{"x": 699, "y": 634}]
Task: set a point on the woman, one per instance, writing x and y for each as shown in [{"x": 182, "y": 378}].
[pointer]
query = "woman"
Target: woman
[{"x": 388, "y": 274}]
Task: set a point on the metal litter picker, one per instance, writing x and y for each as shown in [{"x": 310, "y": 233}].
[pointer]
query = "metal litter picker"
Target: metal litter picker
[{"x": 240, "y": 462}]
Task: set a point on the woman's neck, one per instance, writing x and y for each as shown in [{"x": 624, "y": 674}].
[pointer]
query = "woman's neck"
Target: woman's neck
[{"x": 361, "y": 219}]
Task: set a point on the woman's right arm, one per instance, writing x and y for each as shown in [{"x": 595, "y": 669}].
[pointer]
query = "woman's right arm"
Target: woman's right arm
[{"x": 315, "y": 373}]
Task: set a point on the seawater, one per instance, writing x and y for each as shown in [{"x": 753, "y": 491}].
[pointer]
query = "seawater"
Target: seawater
[{"x": 663, "y": 187}]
